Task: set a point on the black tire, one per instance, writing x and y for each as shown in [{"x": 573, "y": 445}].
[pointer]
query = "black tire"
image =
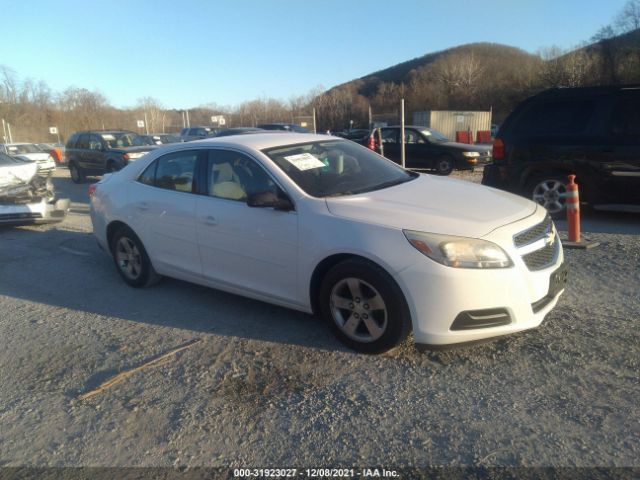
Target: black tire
[
  {"x": 136, "y": 270},
  {"x": 77, "y": 175},
  {"x": 444, "y": 165},
  {"x": 547, "y": 190},
  {"x": 358, "y": 321}
]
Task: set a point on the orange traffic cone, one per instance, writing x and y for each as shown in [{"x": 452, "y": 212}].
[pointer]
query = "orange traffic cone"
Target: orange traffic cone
[{"x": 573, "y": 217}]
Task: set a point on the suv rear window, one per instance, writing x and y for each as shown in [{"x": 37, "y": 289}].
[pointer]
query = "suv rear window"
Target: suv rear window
[{"x": 556, "y": 118}]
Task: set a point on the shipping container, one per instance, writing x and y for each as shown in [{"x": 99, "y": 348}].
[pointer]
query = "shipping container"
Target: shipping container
[{"x": 448, "y": 122}]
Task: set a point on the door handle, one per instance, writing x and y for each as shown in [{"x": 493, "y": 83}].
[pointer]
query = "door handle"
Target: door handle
[
  {"x": 210, "y": 220},
  {"x": 143, "y": 206}
]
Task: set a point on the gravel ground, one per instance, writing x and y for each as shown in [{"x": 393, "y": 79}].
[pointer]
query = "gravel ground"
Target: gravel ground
[{"x": 271, "y": 387}]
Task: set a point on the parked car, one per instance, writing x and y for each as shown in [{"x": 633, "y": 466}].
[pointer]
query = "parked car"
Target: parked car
[
  {"x": 156, "y": 139},
  {"x": 357, "y": 134},
  {"x": 225, "y": 132},
  {"x": 322, "y": 224},
  {"x": 427, "y": 148},
  {"x": 56, "y": 150},
  {"x": 29, "y": 152},
  {"x": 197, "y": 133},
  {"x": 25, "y": 197},
  {"x": 289, "y": 127},
  {"x": 592, "y": 132},
  {"x": 98, "y": 152}
]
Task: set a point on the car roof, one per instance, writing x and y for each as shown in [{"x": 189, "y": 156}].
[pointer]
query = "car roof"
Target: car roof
[
  {"x": 265, "y": 140},
  {"x": 580, "y": 91}
]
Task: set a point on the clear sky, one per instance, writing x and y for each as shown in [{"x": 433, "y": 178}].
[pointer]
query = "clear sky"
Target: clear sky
[{"x": 191, "y": 53}]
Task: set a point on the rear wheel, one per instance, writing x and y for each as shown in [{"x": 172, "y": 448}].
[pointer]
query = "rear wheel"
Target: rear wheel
[
  {"x": 112, "y": 167},
  {"x": 550, "y": 192},
  {"x": 77, "y": 175},
  {"x": 131, "y": 259},
  {"x": 364, "y": 307}
]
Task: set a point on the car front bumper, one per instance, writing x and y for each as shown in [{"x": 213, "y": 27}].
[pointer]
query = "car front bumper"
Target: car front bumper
[
  {"x": 34, "y": 213},
  {"x": 452, "y": 306}
]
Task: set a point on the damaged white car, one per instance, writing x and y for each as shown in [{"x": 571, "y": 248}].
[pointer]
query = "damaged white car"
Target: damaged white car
[{"x": 25, "y": 197}]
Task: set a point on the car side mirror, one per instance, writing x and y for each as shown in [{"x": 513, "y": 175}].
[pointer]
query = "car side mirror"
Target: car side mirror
[{"x": 268, "y": 199}]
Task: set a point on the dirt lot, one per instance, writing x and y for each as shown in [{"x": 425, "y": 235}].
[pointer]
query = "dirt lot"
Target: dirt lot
[{"x": 271, "y": 387}]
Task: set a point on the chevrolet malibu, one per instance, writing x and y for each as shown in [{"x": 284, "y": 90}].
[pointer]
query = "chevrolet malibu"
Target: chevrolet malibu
[{"x": 326, "y": 226}]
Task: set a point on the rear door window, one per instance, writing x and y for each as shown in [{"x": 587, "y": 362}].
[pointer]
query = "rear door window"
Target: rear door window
[
  {"x": 389, "y": 135},
  {"x": 561, "y": 117},
  {"x": 83, "y": 141},
  {"x": 174, "y": 171},
  {"x": 625, "y": 121}
]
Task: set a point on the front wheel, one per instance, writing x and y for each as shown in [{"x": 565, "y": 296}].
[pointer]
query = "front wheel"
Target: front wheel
[
  {"x": 444, "y": 165},
  {"x": 77, "y": 176},
  {"x": 364, "y": 307}
]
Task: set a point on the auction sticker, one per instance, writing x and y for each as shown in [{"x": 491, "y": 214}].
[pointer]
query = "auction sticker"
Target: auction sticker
[{"x": 304, "y": 161}]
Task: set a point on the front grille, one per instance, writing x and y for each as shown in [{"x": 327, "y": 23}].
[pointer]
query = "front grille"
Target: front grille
[
  {"x": 534, "y": 233},
  {"x": 543, "y": 257}
]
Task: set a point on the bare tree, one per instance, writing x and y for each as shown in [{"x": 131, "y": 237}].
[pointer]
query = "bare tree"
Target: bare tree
[{"x": 629, "y": 17}]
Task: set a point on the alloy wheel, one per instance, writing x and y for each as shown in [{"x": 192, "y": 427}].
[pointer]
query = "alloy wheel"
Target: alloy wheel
[
  {"x": 128, "y": 258},
  {"x": 551, "y": 194},
  {"x": 358, "y": 310}
]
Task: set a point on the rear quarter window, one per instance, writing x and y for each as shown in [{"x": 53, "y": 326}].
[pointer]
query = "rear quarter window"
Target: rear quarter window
[{"x": 560, "y": 117}]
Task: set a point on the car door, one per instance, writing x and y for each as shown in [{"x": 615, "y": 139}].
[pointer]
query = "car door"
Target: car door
[
  {"x": 417, "y": 152},
  {"x": 621, "y": 154},
  {"x": 94, "y": 155},
  {"x": 390, "y": 143},
  {"x": 81, "y": 151},
  {"x": 162, "y": 209},
  {"x": 253, "y": 249}
]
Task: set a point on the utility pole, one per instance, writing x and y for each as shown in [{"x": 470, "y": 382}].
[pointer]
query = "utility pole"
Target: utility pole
[
  {"x": 314, "y": 120},
  {"x": 402, "y": 149},
  {"x": 146, "y": 126}
]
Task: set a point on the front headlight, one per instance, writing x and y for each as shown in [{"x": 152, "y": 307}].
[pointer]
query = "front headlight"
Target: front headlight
[
  {"x": 471, "y": 154},
  {"x": 459, "y": 252}
]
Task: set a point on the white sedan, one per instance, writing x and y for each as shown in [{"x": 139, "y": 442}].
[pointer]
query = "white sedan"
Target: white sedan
[
  {"x": 326, "y": 226},
  {"x": 29, "y": 152}
]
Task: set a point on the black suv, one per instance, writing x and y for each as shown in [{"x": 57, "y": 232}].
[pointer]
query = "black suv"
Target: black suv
[
  {"x": 101, "y": 151},
  {"x": 592, "y": 132}
]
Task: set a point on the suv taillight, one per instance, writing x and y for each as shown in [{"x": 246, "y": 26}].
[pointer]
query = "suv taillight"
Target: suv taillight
[
  {"x": 498, "y": 149},
  {"x": 92, "y": 189},
  {"x": 372, "y": 143},
  {"x": 126, "y": 157}
]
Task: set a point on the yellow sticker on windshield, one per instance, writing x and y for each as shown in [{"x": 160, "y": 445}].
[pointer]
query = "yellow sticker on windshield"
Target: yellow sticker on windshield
[{"x": 304, "y": 161}]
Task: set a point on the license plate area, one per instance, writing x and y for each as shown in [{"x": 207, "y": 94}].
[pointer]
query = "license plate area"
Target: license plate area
[{"x": 558, "y": 280}]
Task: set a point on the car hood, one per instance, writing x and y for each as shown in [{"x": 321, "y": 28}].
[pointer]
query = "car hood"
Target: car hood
[
  {"x": 18, "y": 173},
  {"x": 437, "y": 205},
  {"x": 38, "y": 157},
  {"x": 467, "y": 147}
]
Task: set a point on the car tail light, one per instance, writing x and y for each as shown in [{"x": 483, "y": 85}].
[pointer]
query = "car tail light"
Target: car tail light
[
  {"x": 126, "y": 157},
  {"x": 56, "y": 153},
  {"x": 92, "y": 189},
  {"x": 372, "y": 143},
  {"x": 498, "y": 149}
]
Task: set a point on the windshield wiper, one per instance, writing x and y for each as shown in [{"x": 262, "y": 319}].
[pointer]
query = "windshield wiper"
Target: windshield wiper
[{"x": 382, "y": 185}]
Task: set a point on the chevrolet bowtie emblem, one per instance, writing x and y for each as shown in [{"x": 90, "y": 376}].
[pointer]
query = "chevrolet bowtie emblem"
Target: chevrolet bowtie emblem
[{"x": 550, "y": 239}]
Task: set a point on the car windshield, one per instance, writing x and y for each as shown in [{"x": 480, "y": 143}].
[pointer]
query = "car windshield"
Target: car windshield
[
  {"x": 7, "y": 160},
  {"x": 120, "y": 139},
  {"x": 337, "y": 167},
  {"x": 22, "y": 149},
  {"x": 434, "y": 135}
]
